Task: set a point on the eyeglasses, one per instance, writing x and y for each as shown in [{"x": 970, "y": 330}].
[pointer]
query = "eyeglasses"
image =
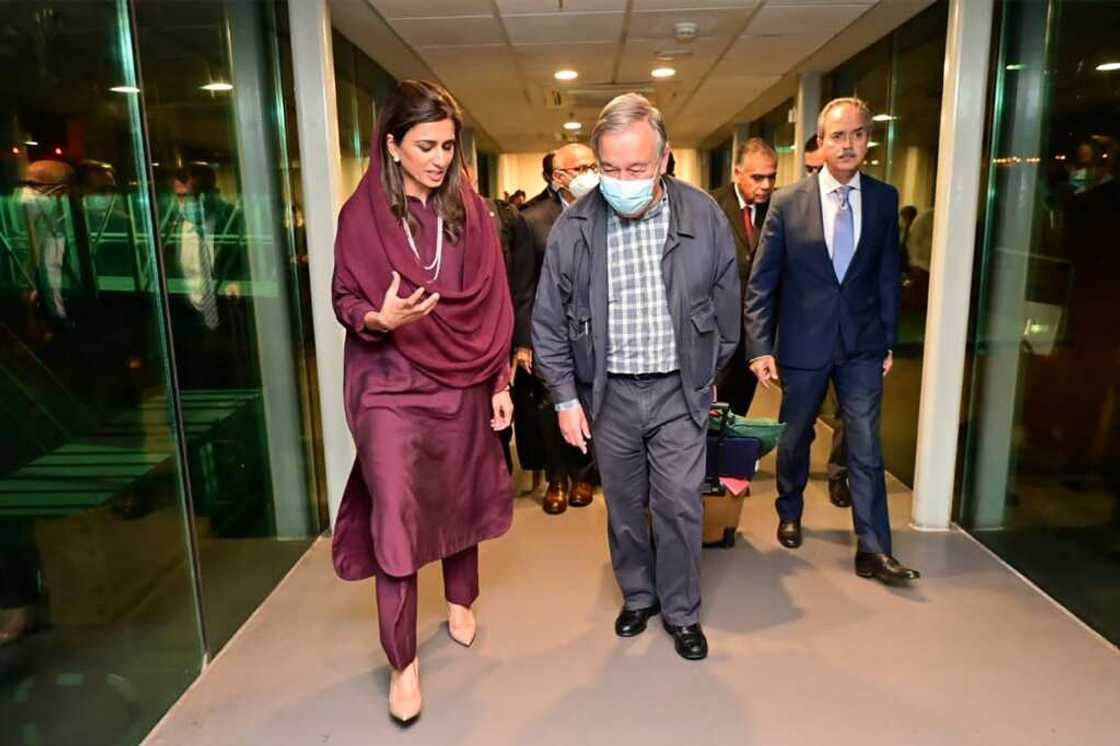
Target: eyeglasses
[{"x": 587, "y": 168}]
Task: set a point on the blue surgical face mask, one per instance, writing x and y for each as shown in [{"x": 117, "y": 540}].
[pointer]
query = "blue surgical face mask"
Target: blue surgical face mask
[{"x": 628, "y": 197}]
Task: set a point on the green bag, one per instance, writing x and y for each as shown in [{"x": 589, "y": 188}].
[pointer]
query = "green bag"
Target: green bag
[{"x": 766, "y": 430}]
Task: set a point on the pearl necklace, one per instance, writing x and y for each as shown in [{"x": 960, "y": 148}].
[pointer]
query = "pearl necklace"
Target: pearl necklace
[{"x": 437, "y": 263}]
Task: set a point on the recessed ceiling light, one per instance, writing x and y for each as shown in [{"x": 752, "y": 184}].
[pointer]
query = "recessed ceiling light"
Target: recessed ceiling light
[
  {"x": 124, "y": 89},
  {"x": 1013, "y": 68},
  {"x": 883, "y": 118},
  {"x": 31, "y": 143},
  {"x": 572, "y": 126},
  {"x": 217, "y": 87},
  {"x": 662, "y": 72},
  {"x": 872, "y": 144},
  {"x": 565, "y": 74},
  {"x": 1108, "y": 67}
]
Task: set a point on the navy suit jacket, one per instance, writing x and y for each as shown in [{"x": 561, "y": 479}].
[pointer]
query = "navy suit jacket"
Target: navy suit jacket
[{"x": 795, "y": 308}]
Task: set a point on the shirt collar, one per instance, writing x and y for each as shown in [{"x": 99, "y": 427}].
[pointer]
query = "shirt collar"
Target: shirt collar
[
  {"x": 739, "y": 195},
  {"x": 829, "y": 184}
]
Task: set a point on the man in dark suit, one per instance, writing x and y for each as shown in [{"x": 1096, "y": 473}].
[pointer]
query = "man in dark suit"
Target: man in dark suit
[
  {"x": 744, "y": 201},
  {"x": 205, "y": 242},
  {"x": 569, "y": 472},
  {"x": 822, "y": 305},
  {"x": 549, "y": 191}
]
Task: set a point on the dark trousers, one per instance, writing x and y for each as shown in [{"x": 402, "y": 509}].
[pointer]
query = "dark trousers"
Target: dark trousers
[
  {"x": 19, "y": 564},
  {"x": 859, "y": 389},
  {"x": 650, "y": 454},
  {"x": 396, "y": 603},
  {"x": 528, "y": 392},
  {"x": 736, "y": 383},
  {"x": 564, "y": 464},
  {"x": 838, "y": 454}
]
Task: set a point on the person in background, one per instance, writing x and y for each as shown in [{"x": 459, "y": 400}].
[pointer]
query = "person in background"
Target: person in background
[
  {"x": 570, "y": 473},
  {"x": 420, "y": 286},
  {"x": 45, "y": 200},
  {"x": 744, "y": 202},
  {"x": 549, "y": 186},
  {"x": 206, "y": 250},
  {"x": 814, "y": 157},
  {"x": 637, "y": 309},
  {"x": 822, "y": 305},
  {"x": 517, "y": 199}
]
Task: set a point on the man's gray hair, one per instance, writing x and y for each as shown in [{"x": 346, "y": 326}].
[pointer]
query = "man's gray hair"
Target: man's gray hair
[
  {"x": 837, "y": 103},
  {"x": 752, "y": 146},
  {"x": 624, "y": 111}
]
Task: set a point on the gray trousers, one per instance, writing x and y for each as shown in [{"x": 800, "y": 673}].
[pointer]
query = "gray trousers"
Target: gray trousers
[{"x": 651, "y": 458}]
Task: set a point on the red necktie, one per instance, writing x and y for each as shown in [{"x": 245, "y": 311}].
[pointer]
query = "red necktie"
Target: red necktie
[{"x": 748, "y": 223}]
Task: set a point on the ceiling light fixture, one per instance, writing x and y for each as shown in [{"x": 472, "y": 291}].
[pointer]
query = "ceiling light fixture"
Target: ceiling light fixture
[
  {"x": 217, "y": 87},
  {"x": 1013, "y": 68},
  {"x": 662, "y": 72},
  {"x": 1108, "y": 67},
  {"x": 883, "y": 118},
  {"x": 30, "y": 143},
  {"x": 572, "y": 126},
  {"x": 565, "y": 74},
  {"x": 124, "y": 89},
  {"x": 872, "y": 144}
]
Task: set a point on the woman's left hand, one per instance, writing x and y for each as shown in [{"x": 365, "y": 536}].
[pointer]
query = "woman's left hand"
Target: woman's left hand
[{"x": 502, "y": 405}]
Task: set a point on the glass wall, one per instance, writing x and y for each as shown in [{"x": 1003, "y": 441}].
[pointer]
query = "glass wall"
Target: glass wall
[
  {"x": 155, "y": 474},
  {"x": 900, "y": 78},
  {"x": 361, "y": 86},
  {"x": 1041, "y": 483}
]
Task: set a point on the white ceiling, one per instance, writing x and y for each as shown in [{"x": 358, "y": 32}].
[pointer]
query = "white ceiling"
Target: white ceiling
[{"x": 498, "y": 56}]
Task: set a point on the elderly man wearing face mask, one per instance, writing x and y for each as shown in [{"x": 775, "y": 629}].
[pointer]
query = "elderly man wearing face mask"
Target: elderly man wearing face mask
[
  {"x": 569, "y": 472},
  {"x": 637, "y": 308}
]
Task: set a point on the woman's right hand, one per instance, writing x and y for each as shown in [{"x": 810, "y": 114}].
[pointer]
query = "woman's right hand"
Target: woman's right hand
[{"x": 397, "y": 311}]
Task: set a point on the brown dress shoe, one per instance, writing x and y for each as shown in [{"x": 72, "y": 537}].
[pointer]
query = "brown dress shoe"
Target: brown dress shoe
[
  {"x": 582, "y": 493},
  {"x": 554, "y": 500}
]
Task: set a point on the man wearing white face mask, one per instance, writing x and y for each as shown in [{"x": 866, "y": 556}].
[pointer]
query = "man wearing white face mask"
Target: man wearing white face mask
[
  {"x": 569, "y": 472},
  {"x": 636, "y": 310}
]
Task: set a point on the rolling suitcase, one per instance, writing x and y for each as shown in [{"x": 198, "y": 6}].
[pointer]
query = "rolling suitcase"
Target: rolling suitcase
[{"x": 729, "y": 455}]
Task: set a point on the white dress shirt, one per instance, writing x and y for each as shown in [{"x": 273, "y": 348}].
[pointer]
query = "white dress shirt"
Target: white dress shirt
[
  {"x": 199, "y": 275},
  {"x": 830, "y": 205},
  {"x": 743, "y": 203}
]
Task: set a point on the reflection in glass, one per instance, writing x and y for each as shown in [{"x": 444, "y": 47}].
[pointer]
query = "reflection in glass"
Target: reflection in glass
[
  {"x": 217, "y": 121},
  {"x": 98, "y": 616},
  {"x": 1042, "y": 475}
]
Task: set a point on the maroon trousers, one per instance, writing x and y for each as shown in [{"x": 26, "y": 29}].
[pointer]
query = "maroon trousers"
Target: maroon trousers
[{"x": 396, "y": 603}]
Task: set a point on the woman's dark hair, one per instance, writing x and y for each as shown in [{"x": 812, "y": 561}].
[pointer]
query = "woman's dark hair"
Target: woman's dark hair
[{"x": 419, "y": 102}]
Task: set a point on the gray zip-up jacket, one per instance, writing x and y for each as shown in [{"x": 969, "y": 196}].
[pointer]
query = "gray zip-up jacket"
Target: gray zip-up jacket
[{"x": 701, "y": 281}]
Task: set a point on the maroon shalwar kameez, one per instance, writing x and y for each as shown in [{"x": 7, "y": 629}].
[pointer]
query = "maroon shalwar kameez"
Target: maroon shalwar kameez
[{"x": 429, "y": 481}]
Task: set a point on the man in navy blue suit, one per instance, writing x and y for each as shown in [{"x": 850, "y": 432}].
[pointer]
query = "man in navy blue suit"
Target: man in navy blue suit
[{"x": 821, "y": 305}]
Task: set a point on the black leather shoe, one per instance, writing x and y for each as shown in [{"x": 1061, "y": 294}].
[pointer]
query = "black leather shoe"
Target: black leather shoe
[
  {"x": 689, "y": 640},
  {"x": 632, "y": 622},
  {"x": 839, "y": 493},
  {"x": 884, "y": 568},
  {"x": 789, "y": 533}
]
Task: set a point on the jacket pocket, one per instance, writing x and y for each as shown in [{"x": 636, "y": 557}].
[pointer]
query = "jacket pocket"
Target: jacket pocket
[
  {"x": 705, "y": 347},
  {"x": 583, "y": 351}
]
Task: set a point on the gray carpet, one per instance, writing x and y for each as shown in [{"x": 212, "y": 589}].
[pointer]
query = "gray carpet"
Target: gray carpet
[{"x": 802, "y": 651}]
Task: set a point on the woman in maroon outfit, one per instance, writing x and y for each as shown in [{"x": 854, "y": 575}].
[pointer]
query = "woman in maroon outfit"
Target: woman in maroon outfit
[{"x": 420, "y": 285}]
